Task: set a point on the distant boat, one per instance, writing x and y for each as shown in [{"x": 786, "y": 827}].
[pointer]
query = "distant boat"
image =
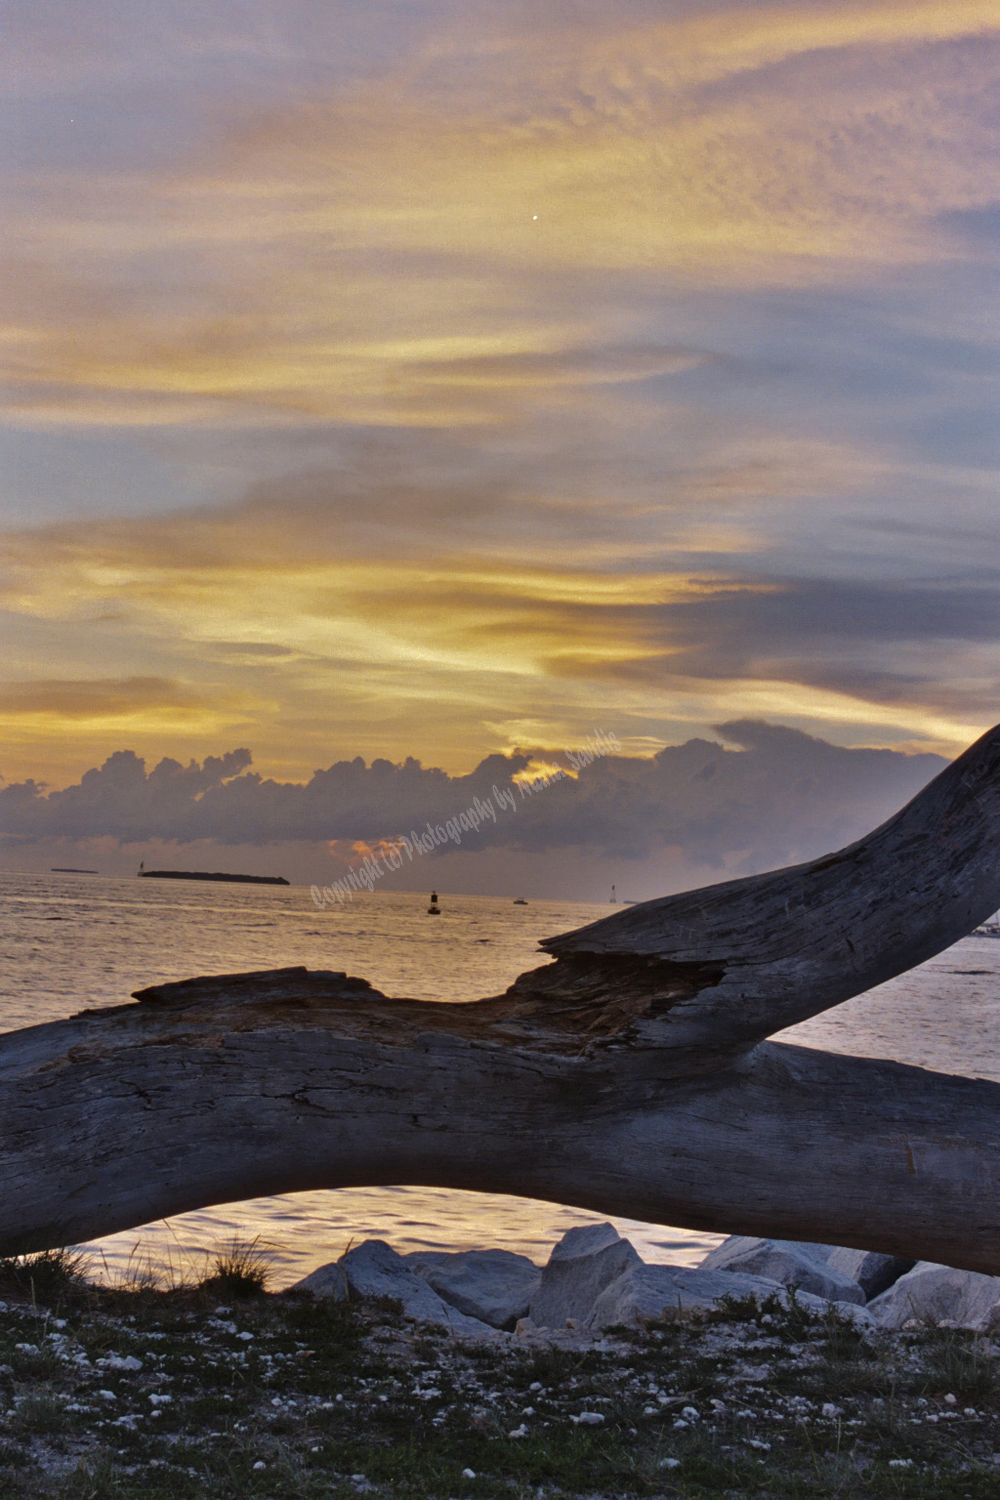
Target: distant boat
[
  {"x": 520, "y": 901},
  {"x": 69, "y": 870},
  {"x": 614, "y": 898},
  {"x": 214, "y": 875},
  {"x": 434, "y": 910}
]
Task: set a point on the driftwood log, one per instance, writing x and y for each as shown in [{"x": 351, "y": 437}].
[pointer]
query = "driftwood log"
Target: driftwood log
[{"x": 631, "y": 1076}]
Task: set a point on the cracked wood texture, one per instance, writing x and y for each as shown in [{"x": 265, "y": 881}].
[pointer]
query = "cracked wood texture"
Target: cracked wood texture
[{"x": 631, "y": 1076}]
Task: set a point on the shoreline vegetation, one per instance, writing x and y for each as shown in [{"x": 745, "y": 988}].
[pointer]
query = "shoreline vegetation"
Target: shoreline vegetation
[{"x": 183, "y": 1389}]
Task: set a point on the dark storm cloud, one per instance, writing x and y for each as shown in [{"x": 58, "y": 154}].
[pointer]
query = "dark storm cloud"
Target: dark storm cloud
[
  {"x": 850, "y": 636},
  {"x": 779, "y": 796},
  {"x": 780, "y": 612}
]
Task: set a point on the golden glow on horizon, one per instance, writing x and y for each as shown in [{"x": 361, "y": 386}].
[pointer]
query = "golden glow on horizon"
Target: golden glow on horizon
[{"x": 311, "y": 662}]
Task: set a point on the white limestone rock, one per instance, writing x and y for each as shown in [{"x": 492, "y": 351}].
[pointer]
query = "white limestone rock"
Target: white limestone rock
[
  {"x": 373, "y": 1269},
  {"x": 645, "y": 1292},
  {"x": 584, "y": 1239},
  {"x": 790, "y": 1262},
  {"x": 938, "y": 1294},
  {"x": 873, "y": 1272},
  {"x": 495, "y": 1286},
  {"x": 326, "y": 1281},
  {"x": 585, "y": 1261}
]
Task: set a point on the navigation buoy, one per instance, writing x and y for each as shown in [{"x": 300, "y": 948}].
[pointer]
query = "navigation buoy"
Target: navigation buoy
[{"x": 434, "y": 910}]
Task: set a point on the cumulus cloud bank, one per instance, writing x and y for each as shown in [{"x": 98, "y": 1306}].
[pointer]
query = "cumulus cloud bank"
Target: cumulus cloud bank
[{"x": 769, "y": 795}]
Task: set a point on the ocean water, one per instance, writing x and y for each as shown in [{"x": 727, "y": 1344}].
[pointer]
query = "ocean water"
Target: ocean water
[{"x": 68, "y": 942}]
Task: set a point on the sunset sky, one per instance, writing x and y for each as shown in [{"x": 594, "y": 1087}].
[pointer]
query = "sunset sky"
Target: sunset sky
[{"x": 437, "y": 378}]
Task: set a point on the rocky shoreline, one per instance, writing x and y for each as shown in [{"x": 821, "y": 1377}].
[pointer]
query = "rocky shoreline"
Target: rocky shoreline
[
  {"x": 594, "y": 1279},
  {"x": 480, "y": 1376}
]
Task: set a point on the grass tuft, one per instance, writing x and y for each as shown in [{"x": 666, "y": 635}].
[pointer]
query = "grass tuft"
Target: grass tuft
[
  {"x": 45, "y": 1276},
  {"x": 40, "y": 1414},
  {"x": 240, "y": 1269},
  {"x": 962, "y": 1363}
]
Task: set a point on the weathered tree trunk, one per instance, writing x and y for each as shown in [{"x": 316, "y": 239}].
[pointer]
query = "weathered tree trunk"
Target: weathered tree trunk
[{"x": 631, "y": 1076}]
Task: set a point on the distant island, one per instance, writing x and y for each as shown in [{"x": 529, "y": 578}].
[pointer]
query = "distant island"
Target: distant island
[
  {"x": 215, "y": 875},
  {"x": 69, "y": 870}
]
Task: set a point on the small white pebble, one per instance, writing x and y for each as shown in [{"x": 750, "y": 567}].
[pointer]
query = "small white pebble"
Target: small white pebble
[
  {"x": 260, "y": 1464},
  {"x": 468, "y": 1473},
  {"x": 519, "y": 1432},
  {"x": 160, "y": 1400},
  {"x": 246, "y": 1337},
  {"x": 759, "y": 1446},
  {"x": 680, "y": 1425},
  {"x": 670, "y": 1463},
  {"x": 949, "y": 1400},
  {"x": 527, "y": 1411},
  {"x": 829, "y": 1410},
  {"x": 108, "y": 1395},
  {"x": 536, "y": 1385},
  {"x": 691, "y": 1413},
  {"x": 901, "y": 1463},
  {"x": 589, "y": 1419}
]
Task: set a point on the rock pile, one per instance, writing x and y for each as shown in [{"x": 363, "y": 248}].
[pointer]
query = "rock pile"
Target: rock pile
[{"x": 594, "y": 1279}]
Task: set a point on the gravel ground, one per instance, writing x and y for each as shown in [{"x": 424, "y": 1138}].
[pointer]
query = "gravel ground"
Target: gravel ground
[{"x": 201, "y": 1392}]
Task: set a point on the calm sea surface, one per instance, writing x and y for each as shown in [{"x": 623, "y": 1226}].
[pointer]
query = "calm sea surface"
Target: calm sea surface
[{"x": 72, "y": 941}]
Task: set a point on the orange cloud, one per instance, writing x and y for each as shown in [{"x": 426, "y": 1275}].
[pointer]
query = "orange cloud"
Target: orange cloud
[{"x": 279, "y": 637}]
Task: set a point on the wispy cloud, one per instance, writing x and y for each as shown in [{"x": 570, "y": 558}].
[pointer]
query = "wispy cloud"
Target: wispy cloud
[
  {"x": 387, "y": 252},
  {"x": 447, "y": 621},
  {"x": 449, "y": 371}
]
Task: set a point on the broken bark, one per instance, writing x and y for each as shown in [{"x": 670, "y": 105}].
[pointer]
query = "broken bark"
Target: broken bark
[{"x": 630, "y": 1076}]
